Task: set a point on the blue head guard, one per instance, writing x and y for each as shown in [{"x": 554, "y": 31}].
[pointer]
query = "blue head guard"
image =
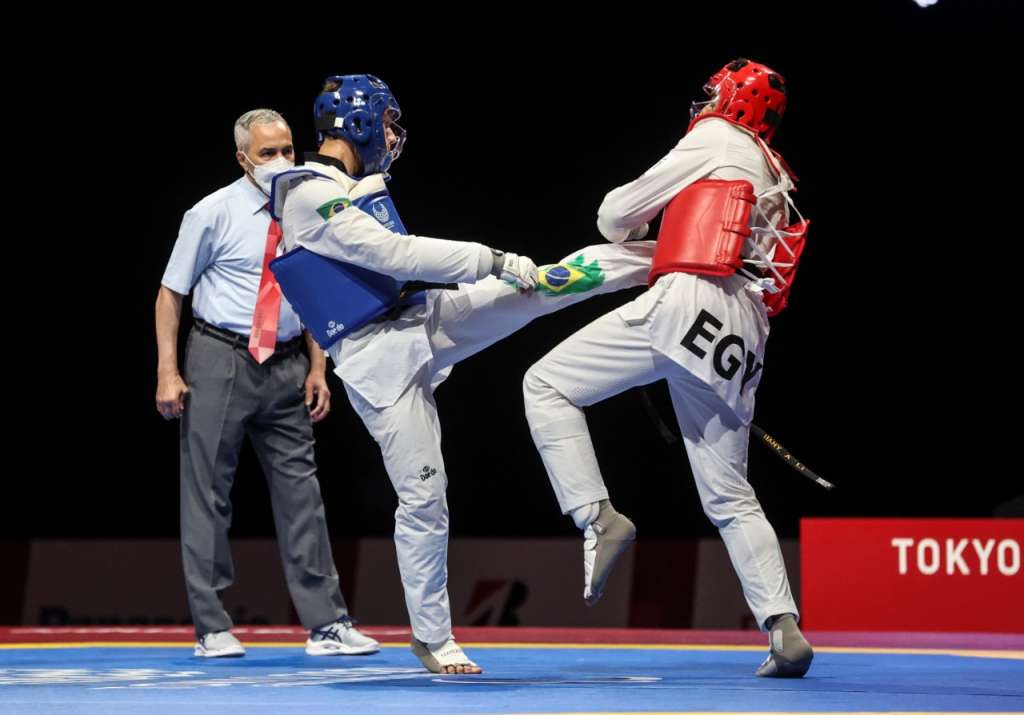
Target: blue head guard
[{"x": 356, "y": 111}]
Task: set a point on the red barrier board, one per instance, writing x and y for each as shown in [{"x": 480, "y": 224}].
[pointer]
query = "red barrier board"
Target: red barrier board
[{"x": 962, "y": 575}]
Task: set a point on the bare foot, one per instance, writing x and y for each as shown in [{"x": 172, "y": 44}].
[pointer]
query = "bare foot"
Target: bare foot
[
  {"x": 461, "y": 670},
  {"x": 446, "y": 658}
]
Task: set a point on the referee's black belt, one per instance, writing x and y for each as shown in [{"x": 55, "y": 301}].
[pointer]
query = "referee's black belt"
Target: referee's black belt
[{"x": 236, "y": 340}]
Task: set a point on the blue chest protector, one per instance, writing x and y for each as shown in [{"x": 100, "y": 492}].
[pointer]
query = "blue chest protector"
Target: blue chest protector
[{"x": 334, "y": 298}]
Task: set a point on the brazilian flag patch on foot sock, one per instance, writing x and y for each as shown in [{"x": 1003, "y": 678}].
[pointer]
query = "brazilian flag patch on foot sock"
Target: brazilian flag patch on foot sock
[{"x": 576, "y": 276}]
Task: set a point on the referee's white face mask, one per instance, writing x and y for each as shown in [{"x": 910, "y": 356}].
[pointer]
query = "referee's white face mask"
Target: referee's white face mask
[{"x": 263, "y": 174}]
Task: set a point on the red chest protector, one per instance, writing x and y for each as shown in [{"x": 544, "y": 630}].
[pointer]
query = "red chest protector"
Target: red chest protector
[
  {"x": 705, "y": 228},
  {"x": 789, "y": 248}
]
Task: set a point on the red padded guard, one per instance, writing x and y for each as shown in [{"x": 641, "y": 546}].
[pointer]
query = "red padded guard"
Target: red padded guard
[
  {"x": 703, "y": 229},
  {"x": 775, "y": 303}
]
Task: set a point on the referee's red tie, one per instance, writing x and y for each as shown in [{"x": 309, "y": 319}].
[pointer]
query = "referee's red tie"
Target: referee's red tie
[{"x": 263, "y": 337}]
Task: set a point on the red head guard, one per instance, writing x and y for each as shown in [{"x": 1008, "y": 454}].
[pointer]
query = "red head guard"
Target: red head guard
[{"x": 749, "y": 94}]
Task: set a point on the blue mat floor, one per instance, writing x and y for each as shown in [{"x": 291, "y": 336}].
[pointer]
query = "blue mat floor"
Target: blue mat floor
[{"x": 280, "y": 679}]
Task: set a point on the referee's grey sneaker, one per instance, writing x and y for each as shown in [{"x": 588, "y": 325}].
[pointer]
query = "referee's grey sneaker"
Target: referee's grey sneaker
[
  {"x": 340, "y": 637},
  {"x": 219, "y": 645}
]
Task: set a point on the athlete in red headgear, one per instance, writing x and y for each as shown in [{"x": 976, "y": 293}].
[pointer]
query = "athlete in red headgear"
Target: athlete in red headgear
[{"x": 724, "y": 262}]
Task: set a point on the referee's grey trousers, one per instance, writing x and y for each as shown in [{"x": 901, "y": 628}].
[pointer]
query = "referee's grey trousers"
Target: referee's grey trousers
[{"x": 231, "y": 396}]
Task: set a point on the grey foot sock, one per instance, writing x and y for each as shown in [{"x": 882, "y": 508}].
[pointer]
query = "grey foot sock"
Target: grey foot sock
[
  {"x": 614, "y": 534},
  {"x": 789, "y": 654}
]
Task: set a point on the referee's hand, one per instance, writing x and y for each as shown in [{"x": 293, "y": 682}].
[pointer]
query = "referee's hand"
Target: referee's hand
[
  {"x": 318, "y": 395},
  {"x": 171, "y": 391}
]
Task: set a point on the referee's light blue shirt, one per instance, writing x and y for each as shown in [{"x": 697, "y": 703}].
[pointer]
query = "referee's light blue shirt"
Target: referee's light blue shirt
[{"x": 219, "y": 257}]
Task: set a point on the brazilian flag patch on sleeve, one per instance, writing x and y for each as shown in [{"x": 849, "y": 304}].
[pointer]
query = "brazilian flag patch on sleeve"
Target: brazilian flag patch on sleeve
[
  {"x": 332, "y": 208},
  {"x": 576, "y": 276}
]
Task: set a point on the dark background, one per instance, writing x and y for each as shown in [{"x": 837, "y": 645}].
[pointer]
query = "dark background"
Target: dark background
[{"x": 893, "y": 374}]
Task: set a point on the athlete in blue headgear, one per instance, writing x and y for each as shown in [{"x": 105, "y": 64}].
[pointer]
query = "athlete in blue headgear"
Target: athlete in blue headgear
[
  {"x": 361, "y": 110},
  {"x": 336, "y": 206}
]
